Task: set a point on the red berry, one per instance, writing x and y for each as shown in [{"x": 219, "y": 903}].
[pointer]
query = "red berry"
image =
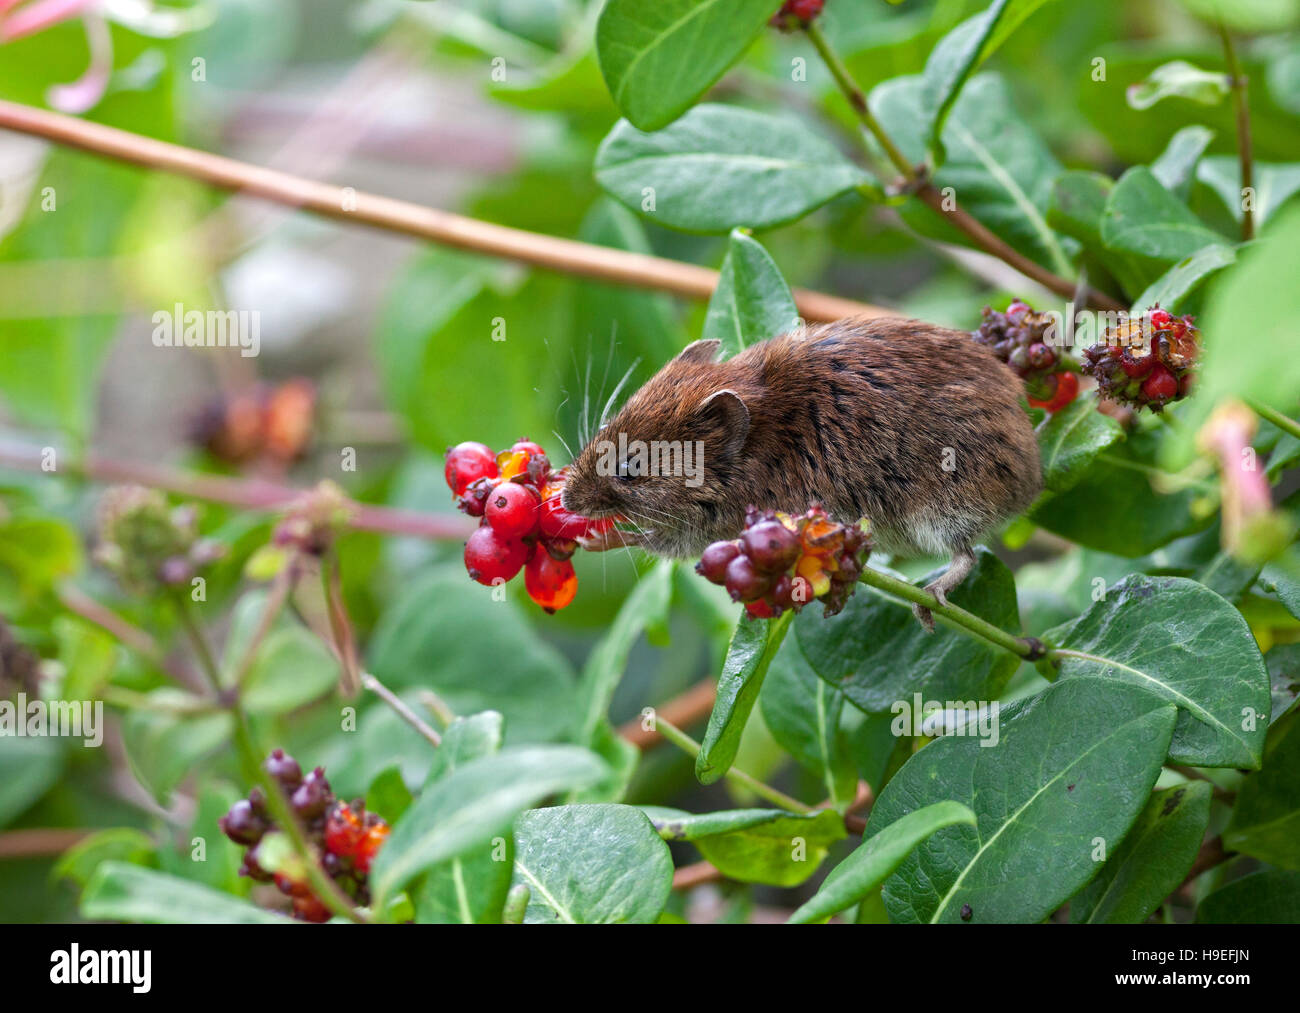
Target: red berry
[
  {"x": 467, "y": 462},
  {"x": 759, "y": 609},
  {"x": 771, "y": 546},
  {"x": 744, "y": 581},
  {"x": 1017, "y": 308},
  {"x": 370, "y": 845},
  {"x": 557, "y": 522},
  {"x": 1134, "y": 366},
  {"x": 1160, "y": 319},
  {"x": 310, "y": 909},
  {"x": 1040, "y": 356},
  {"x": 1067, "y": 389},
  {"x": 343, "y": 830},
  {"x": 512, "y": 510},
  {"x": 713, "y": 561},
  {"x": 1161, "y": 385},
  {"x": 550, "y": 582},
  {"x": 491, "y": 556}
]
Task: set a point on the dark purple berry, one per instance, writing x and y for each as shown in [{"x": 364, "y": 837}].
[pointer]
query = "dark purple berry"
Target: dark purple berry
[
  {"x": 713, "y": 562},
  {"x": 771, "y": 546},
  {"x": 284, "y": 768},
  {"x": 312, "y": 796},
  {"x": 744, "y": 581},
  {"x": 242, "y": 824}
]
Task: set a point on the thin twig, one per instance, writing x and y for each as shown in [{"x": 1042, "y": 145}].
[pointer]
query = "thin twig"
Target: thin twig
[
  {"x": 567, "y": 256},
  {"x": 250, "y": 494},
  {"x": 915, "y": 181},
  {"x": 1237, "y": 81},
  {"x": 774, "y": 795},
  {"x": 404, "y": 712},
  {"x": 682, "y": 710}
]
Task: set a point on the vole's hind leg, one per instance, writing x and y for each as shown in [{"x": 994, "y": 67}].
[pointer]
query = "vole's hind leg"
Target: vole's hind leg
[{"x": 963, "y": 561}]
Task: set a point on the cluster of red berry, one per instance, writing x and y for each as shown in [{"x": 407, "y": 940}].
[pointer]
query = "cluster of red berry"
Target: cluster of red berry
[
  {"x": 783, "y": 562},
  {"x": 796, "y": 13},
  {"x": 347, "y": 836},
  {"x": 271, "y": 422},
  {"x": 1147, "y": 365},
  {"x": 525, "y": 526},
  {"x": 1016, "y": 337}
]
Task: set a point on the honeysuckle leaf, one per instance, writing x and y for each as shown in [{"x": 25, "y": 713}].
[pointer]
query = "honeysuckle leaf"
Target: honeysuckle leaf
[
  {"x": 755, "y": 845},
  {"x": 658, "y": 58},
  {"x": 1266, "y": 818},
  {"x": 1144, "y": 218},
  {"x": 1176, "y": 166},
  {"x": 1152, "y": 861},
  {"x": 1270, "y": 897},
  {"x": 722, "y": 167},
  {"x": 1070, "y": 440},
  {"x": 877, "y": 857},
  {"x": 1272, "y": 184},
  {"x": 753, "y": 646},
  {"x": 1071, "y": 769},
  {"x": 121, "y": 892},
  {"x": 591, "y": 864},
  {"x": 1180, "y": 79},
  {"x": 1177, "y": 639},
  {"x": 752, "y": 302},
  {"x": 473, "y": 804}
]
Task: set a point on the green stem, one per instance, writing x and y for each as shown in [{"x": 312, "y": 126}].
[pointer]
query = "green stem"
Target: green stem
[
  {"x": 287, "y": 820},
  {"x": 1286, "y": 424},
  {"x": 688, "y": 745},
  {"x": 1237, "y": 80},
  {"x": 858, "y": 100},
  {"x": 275, "y": 601},
  {"x": 397, "y": 704},
  {"x": 955, "y": 615}
]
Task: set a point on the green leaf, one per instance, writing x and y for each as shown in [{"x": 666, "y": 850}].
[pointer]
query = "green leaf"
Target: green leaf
[
  {"x": 28, "y": 769},
  {"x": 753, "y": 646},
  {"x": 998, "y": 167},
  {"x": 162, "y": 748},
  {"x": 1070, "y": 440},
  {"x": 1152, "y": 861},
  {"x": 1274, "y": 184},
  {"x": 959, "y": 54},
  {"x": 471, "y": 887},
  {"x": 1179, "y": 640},
  {"x": 752, "y": 302},
  {"x": 1271, "y": 897},
  {"x": 38, "y": 551},
  {"x": 293, "y": 668},
  {"x": 645, "y": 606},
  {"x": 475, "y": 803},
  {"x": 1250, "y": 16},
  {"x": 1251, "y": 346},
  {"x": 1266, "y": 818},
  {"x": 1178, "y": 79},
  {"x": 119, "y": 892},
  {"x": 876, "y": 858},
  {"x": 658, "y": 58},
  {"x": 1114, "y": 507},
  {"x": 877, "y": 654},
  {"x": 1073, "y": 764},
  {"x": 388, "y": 795},
  {"x": 591, "y": 864},
  {"x": 803, "y": 714},
  {"x": 80, "y": 862},
  {"x": 1144, "y": 218},
  {"x": 755, "y": 845},
  {"x": 1184, "y": 278},
  {"x": 720, "y": 167},
  {"x": 1077, "y": 204},
  {"x": 1176, "y": 166},
  {"x": 467, "y": 738},
  {"x": 445, "y": 633}
]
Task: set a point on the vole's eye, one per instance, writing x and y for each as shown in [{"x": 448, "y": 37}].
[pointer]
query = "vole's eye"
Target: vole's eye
[{"x": 629, "y": 469}]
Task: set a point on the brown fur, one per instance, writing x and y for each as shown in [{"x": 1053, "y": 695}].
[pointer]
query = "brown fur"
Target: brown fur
[{"x": 855, "y": 415}]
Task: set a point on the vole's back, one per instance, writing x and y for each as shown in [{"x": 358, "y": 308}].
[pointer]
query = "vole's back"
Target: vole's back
[{"x": 914, "y": 426}]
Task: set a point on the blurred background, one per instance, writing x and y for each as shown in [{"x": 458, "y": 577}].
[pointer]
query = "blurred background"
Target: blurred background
[{"x": 376, "y": 342}]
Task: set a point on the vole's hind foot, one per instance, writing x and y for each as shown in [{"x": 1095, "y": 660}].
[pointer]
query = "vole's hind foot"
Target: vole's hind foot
[{"x": 963, "y": 561}]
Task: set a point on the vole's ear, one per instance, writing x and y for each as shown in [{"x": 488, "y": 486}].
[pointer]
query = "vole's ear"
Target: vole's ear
[
  {"x": 704, "y": 350},
  {"x": 729, "y": 415}
]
